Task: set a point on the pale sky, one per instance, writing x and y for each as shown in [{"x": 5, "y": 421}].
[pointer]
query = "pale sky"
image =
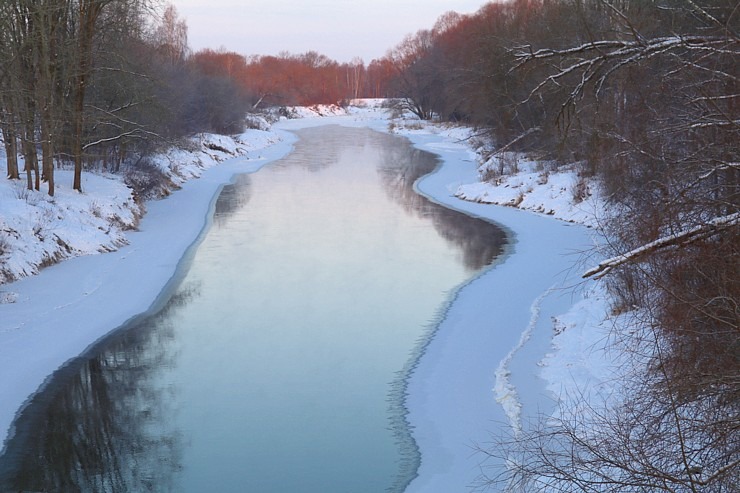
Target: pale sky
[{"x": 339, "y": 29}]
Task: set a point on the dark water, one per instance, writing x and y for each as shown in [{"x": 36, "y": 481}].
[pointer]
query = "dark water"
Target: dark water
[{"x": 272, "y": 366}]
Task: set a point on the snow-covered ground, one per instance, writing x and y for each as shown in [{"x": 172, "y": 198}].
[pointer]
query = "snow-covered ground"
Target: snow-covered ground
[
  {"x": 527, "y": 325},
  {"x": 536, "y": 186}
]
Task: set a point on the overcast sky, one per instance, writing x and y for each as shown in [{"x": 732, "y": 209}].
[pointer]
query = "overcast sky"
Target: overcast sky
[{"x": 339, "y": 29}]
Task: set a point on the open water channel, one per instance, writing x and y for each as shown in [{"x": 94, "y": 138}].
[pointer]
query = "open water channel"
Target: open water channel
[{"x": 277, "y": 364}]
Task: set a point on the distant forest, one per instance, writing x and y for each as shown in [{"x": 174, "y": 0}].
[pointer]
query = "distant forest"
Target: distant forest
[{"x": 644, "y": 95}]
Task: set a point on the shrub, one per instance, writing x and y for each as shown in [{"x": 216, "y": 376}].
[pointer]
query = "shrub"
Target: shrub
[{"x": 147, "y": 180}]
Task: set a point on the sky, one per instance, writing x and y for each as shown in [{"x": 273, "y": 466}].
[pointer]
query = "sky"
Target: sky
[{"x": 339, "y": 29}]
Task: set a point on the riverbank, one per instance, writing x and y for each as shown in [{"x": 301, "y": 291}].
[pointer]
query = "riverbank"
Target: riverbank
[{"x": 482, "y": 365}]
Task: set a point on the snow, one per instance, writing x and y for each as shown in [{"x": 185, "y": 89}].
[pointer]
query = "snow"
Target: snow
[
  {"x": 583, "y": 356},
  {"x": 534, "y": 187},
  {"x": 509, "y": 344},
  {"x": 36, "y": 229}
]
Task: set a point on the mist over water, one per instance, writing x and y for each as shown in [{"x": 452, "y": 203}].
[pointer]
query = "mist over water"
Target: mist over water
[{"x": 269, "y": 370}]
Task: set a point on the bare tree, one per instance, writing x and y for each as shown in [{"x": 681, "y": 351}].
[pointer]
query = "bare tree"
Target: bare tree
[
  {"x": 656, "y": 83},
  {"x": 88, "y": 12},
  {"x": 415, "y": 75},
  {"x": 171, "y": 35},
  {"x": 654, "y": 440}
]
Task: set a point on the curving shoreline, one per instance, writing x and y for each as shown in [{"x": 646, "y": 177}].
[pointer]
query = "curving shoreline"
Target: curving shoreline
[
  {"x": 84, "y": 294},
  {"x": 452, "y": 398}
]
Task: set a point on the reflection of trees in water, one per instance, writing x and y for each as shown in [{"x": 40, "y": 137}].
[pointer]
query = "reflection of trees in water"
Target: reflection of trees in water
[
  {"x": 317, "y": 149},
  {"x": 232, "y": 197},
  {"x": 104, "y": 424},
  {"x": 401, "y": 165},
  {"x": 479, "y": 241}
]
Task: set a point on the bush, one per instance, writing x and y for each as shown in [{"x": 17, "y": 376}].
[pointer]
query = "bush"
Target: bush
[{"x": 147, "y": 180}]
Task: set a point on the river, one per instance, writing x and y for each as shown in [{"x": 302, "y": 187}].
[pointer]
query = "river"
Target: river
[{"x": 275, "y": 364}]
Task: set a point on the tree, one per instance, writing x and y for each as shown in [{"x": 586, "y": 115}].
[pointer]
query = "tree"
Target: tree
[
  {"x": 171, "y": 35},
  {"x": 643, "y": 444},
  {"x": 655, "y": 85},
  {"x": 416, "y": 78},
  {"x": 20, "y": 82},
  {"x": 303, "y": 79},
  {"x": 88, "y": 12},
  {"x": 48, "y": 49},
  {"x": 379, "y": 78},
  {"x": 8, "y": 113},
  {"x": 49, "y": 18},
  {"x": 355, "y": 71}
]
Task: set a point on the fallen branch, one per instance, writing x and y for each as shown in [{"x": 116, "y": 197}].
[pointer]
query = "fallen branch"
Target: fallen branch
[
  {"x": 689, "y": 235},
  {"x": 529, "y": 132}
]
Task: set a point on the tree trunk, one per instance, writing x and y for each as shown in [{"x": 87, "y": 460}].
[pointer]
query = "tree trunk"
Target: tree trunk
[
  {"x": 27, "y": 167},
  {"x": 77, "y": 118},
  {"x": 89, "y": 12},
  {"x": 29, "y": 148},
  {"x": 47, "y": 157},
  {"x": 11, "y": 151},
  {"x": 46, "y": 23}
]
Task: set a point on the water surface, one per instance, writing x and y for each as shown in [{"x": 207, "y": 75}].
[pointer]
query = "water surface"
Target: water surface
[{"x": 271, "y": 366}]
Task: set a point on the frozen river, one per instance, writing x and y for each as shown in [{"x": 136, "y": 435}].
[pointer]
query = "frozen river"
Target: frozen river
[{"x": 275, "y": 364}]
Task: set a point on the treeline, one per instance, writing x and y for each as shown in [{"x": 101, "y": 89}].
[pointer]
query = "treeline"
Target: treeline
[
  {"x": 299, "y": 79},
  {"x": 95, "y": 83},
  {"x": 645, "y": 96}
]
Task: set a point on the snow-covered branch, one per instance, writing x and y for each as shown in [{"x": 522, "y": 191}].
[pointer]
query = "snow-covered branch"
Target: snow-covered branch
[
  {"x": 135, "y": 132},
  {"x": 723, "y": 167},
  {"x": 527, "y": 133},
  {"x": 619, "y": 48},
  {"x": 682, "y": 237},
  {"x": 719, "y": 472},
  {"x": 108, "y": 139},
  {"x": 709, "y": 124},
  {"x": 597, "y": 61}
]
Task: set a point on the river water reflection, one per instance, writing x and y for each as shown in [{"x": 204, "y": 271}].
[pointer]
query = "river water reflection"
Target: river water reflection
[{"x": 270, "y": 368}]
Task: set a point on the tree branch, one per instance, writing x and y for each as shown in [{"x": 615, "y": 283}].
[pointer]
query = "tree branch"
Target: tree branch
[{"x": 689, "y": 235}]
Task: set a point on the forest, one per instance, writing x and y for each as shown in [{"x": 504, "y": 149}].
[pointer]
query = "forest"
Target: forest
[{"x": 644, "y": 95}]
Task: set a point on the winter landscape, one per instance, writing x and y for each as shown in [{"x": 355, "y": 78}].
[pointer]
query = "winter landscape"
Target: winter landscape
[
  {"x": 598, "y": 352},
  {"x": 99, "y": 291}
]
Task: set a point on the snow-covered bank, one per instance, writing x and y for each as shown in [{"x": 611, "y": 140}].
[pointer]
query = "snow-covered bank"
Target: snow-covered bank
[
  {"x": 479, "y": 372},
  {"x": 37, "y": 230},
  {"x": 536, "y": 186}
]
